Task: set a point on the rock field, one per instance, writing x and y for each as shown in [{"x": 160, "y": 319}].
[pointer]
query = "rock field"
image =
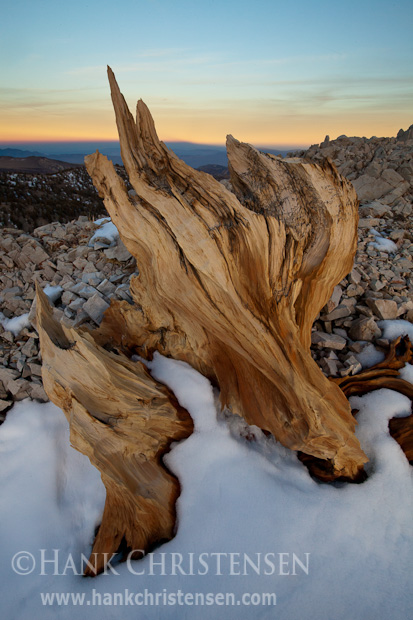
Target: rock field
[{"x": 81, "y": 275}]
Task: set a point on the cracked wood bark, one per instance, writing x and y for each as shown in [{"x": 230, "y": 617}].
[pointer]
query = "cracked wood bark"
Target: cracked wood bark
[
  {"x": 124, "y": 422},
  {"x": 232, "y": 283}
]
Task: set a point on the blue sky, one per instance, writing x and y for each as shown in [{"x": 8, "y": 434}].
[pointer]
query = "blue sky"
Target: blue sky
[{"x": 269, "y": 72}]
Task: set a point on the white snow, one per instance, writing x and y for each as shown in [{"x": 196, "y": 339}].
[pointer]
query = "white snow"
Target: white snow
[
  {"x": 398, "y": 327},
  {"x": 15, "y": 324},
  {"x": 384, "y": 245},
  {"x": 238, "y": 496},
  {"x": 106, "y": 233},
  {"x": 53, "y": 292},
  {"x": 370, "y": 356}
]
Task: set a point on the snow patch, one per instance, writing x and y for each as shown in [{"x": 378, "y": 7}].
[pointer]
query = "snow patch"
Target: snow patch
[
  {"x": 238, "y": 496},
  {"x": 107, "y": 233},
  {"x": 15, "y": 324}
]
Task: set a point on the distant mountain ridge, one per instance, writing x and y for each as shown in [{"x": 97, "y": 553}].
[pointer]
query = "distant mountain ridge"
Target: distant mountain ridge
[
  {"x": 34, "y": 164},
  {"x": 193, "y": 154},
  {"x": 19, "y": 153}
]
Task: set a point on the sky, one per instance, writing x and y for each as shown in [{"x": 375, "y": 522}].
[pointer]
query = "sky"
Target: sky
[{"x": 269, "y": 72}]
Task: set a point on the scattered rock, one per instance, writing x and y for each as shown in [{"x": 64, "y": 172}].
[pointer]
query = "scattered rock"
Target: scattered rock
[
  {"x": 90, "y": 274},
  {"x": 96, "y": 307},
  {"x": 329, "y": 341},
  {"x": 364, "y": 329},
  {"x": 383, "y": 308}
]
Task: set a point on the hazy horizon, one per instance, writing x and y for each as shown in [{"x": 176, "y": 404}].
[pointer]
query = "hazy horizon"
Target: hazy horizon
[
  {"x": 269, "y": 72},
  {"x": 193, "y": 153}
]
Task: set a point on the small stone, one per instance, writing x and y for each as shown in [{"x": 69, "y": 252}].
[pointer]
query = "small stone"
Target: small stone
[
  {"x": 383, "y": 308},
  {"x": 96, "y": 307},
  {"x": 75, "y": 305},
  {"x": 5, "y": 404},
  {"x": 68, "y": 297},
  {"x": 375, "y": 209},
  {"x": 354, "y": 277},
  {"x": 30, "y": 349},
  {"x": 119, "y": 252},
  {"x": 364, "y": 329},
  {"x": 7, "y": 336},
  {"x": 106, "y": 288},
  {"x": 368, "y": 222},
  {"x": 3, "y": 391},
  {"x": 340, "y": 312},
  {"x": 353, "y": 290},
  {"x": 329, "y": 366},
  {"x": 36, "y": 392},
  {"x": 83, "y": 290},
  {"x": 93, "y": 277},
  {"x": 35, "y": 369},
  {"x": 6, "y": 376},
  {"x": 328, "y": 341},
  {"x": 357, "y": 346},
  {"x": 376, "y": 285},
  {"x": 19, "y": 388}
]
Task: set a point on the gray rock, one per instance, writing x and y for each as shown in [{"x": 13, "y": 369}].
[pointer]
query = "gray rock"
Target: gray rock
[
  {"x": 329, "y": 366},
  {"x": 33, "y": 252},
  {"x": 328, "y": 341},
  {"x": 383, "y": 308},
  {"x": 340, "y": 312},
  {"x": 364, "y": 329},
  {"x": 83, "y": 290},
  {"x": 3, "y": 391},
  {"x": 106, "y": 288},
  {"x": 368, "y": 188},
  {"x": 68, "y": 297},
  {"x": 30, "y": 349},
  {"x": 119, "y": 252},
  {"x": 374, "y": 209},
  {"x": 368, "y": 222},
  {"x": 7, "y": 375},
  {"x": 92, "y": 278},
  {"x": 392, "y": 177},
  {"x": 95, "y": 308},
  {"x": 35, "y": 369},
  {"x": 5, "y": 404},
  {"x": 75, "y": 305},
  {"x": 334, "y": 299},
  {"x": 36, "y": 392},
  {"x": 19, "y": 388}
]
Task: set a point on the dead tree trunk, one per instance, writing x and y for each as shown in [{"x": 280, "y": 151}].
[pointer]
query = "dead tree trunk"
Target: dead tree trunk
[
  {"x": 230, "y": 283},
  {"x": 124, "y": 422}
]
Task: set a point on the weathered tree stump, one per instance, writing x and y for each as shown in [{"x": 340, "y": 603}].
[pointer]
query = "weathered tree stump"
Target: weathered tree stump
[
  {"x": 230, "y": 283},
  {"x": 124, "y": 422}
]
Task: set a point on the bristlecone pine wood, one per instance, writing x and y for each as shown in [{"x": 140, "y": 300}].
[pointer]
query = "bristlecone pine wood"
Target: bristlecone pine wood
[
  {"x": 232, "y": 283},
  {"x": 386, "y": 375},
  {"x": 124, "y": 422}
]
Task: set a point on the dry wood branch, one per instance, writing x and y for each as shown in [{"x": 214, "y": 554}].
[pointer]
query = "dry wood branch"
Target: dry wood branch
[
  {"x": 386, "y": 375},
  {"x": 232, "y": 283},
  {"x": 124, "y": 422}
]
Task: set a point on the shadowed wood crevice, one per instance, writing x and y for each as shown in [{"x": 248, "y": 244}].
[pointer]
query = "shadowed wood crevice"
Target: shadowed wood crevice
[
  {"x": 124, "y": 421},
  {"x": 232, "y": 283}
]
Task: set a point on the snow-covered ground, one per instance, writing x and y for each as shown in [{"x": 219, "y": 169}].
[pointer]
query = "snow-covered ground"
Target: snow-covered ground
[{"x": 350, "y": 546}]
